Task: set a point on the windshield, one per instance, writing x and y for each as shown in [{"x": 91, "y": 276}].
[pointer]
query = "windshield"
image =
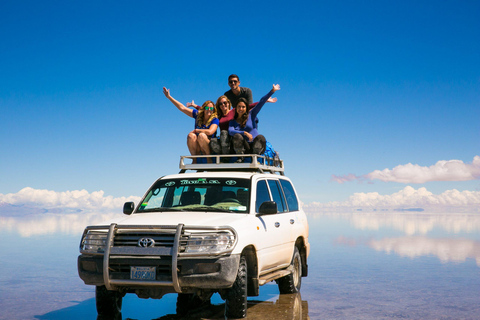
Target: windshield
[{"x": 198, "y": 194}]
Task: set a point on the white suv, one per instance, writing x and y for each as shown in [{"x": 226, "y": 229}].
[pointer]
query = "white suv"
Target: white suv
[{"x": 226, "y": 228}]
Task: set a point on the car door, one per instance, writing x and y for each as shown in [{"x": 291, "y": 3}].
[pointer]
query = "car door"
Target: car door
[{"x": 276, "y": 229}]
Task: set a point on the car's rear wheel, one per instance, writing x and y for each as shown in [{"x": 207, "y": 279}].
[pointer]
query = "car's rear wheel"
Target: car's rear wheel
[
  {"x": 109, "y": 303},
  {"x": 236, "y": 296},
  {"x": 292, "y": 282}
]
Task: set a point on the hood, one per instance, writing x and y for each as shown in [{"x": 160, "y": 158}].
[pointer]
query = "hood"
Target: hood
[{"x": 212, "y": 219}]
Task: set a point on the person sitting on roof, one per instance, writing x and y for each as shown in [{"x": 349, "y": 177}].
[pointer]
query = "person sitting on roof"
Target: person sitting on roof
[
  {"x": 236, "y": 92},
  {"x": 243, "y": 128},
  {"x": 206, "y": 124},
  {"x": 225, "y": 113}
]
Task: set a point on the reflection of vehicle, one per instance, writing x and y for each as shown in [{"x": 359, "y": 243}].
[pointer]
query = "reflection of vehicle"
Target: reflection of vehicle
[
  {"x": 227, "y": 228},
  {"x": 287, "y": 306}
]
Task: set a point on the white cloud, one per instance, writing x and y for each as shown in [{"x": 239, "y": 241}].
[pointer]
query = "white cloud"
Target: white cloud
[
  {"x": 444, "y": 170},
  {"x": 406, "y": 198},
  {"x": 78, "y": 199}
]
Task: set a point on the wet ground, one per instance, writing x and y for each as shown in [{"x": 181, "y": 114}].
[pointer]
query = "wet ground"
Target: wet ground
[{"x": 385, "y": 265}]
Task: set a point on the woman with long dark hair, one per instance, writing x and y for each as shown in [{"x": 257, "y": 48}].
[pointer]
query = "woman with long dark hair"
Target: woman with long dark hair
[{"x": 243, "y": 128}]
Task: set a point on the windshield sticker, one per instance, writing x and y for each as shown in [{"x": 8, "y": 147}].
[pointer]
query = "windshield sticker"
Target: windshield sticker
[
  {"x": 239, "y": 208},
  {"x": 199, "y": 181},
  {"x": 144, "y": 204},
  {"x": 230, "y": 182},
  {"x": 169, "y": 184}
]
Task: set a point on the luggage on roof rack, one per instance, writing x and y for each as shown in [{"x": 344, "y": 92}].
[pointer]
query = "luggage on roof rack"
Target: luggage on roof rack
[{"x": 252, "y": 162}]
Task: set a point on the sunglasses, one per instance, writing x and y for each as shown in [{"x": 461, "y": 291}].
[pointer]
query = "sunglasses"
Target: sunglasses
[
  {"x": 209, "y": 108},
  {"x": 224, "y": 103},
  {"x": 233, "y": 81}
]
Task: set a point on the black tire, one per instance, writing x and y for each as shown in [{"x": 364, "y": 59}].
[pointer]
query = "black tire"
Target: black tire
[
  {"x": 292, "y": 282},
  {"x": 109, "y": 303},
  {"x": 188, "y": 301},
  {"x": 236, "y": 296}
]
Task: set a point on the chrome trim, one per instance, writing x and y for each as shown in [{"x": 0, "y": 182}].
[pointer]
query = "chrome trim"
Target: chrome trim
[
  {"x": 176, "y": 245},
  {"x": 106, "y": 256}
]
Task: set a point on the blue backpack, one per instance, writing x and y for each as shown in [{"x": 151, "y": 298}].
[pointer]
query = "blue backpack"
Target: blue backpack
[{"x": 271, "y": 155}]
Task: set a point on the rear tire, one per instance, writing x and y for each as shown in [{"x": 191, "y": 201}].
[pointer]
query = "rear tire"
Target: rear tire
[
  {"x": 108, "y": 303},
  {"x": 236, "y": 296},
  {"x": 292, "y": 282}
]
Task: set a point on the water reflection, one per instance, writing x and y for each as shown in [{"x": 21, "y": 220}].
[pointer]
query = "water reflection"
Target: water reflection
[
  {"x": 414, "y": 223},
  {"x": 408, "y": 222},
  {"x": 447, "y": 250},
  {"x": 283, "y": 307},
  {"x": 440, "y": 245},
  {"x": 52, "y": 223},
  {"x": 377, "y": 265}
]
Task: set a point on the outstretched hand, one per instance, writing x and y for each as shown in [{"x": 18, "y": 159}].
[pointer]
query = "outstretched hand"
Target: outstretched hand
[
  {"x": 276, "y": 87},
  {"x": 166, "y": 92},
  {"x": 191, "y": 104},
  {"x": 272, "y": 100}
]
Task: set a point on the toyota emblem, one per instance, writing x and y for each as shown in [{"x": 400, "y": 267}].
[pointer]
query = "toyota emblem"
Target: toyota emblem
[{"x": 146, "y": 242}]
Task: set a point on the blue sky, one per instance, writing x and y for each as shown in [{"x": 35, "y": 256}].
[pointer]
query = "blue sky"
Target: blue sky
[{"x": 365, "y": 86}]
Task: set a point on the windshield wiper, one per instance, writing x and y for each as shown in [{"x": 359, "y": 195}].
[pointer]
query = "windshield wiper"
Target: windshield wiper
[{"x": 207, "y": 208}]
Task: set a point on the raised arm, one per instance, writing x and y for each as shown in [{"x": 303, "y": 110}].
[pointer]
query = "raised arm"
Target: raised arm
[
  {"x": 271, "y": 100},
  {"x": 264, "y": 99},
  {"x": 179, "y": 105}
]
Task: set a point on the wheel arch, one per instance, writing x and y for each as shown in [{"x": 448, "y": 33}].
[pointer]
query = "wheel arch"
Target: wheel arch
[
  {"x": 300, "y": 244},
  {"x": 250, "y": 254}
]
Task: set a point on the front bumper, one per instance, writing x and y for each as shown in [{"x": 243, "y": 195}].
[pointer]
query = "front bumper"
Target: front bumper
[{"x": 198, "y": 272}]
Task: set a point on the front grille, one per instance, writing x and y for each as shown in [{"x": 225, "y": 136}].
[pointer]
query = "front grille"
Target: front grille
[{"x": 131, "y": 239}]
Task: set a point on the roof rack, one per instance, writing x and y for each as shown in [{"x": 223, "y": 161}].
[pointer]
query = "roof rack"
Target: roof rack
[{"x": 251, "y": 162}]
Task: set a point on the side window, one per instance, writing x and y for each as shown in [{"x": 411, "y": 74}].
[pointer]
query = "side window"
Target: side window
[
  {"x": 262, "y": 194},
  {"x": 289, "y": 192},
  {"x": 277, "y": 195}
]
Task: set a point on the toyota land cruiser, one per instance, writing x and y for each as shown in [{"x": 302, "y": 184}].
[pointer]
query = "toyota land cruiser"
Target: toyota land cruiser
[{"x": 225, "y": 227}]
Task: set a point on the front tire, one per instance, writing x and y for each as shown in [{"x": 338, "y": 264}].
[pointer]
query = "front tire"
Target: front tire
[
  {"x": 108, "y": 303},
  {"x": 292, "y": 282},
  {"x": 236, "y": 296}
]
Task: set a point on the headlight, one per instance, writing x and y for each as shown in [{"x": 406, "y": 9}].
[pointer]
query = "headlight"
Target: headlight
[
  {"x": 210, "y": 243},
  {"x": 94, "y": 241}
]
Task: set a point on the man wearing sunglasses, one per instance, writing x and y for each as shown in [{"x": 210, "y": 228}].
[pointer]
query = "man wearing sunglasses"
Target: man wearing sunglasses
[{"x": 236, "y": 92}]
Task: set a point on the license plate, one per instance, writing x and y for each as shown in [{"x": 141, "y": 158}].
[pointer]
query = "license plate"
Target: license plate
[{"x": 142, "y": 273}]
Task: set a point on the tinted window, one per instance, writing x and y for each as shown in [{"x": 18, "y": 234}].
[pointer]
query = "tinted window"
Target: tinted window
[
  {"x": 277, "y": 195},
  {"x": 262, "y": 194},
  {"x": 292, "y": 201}
]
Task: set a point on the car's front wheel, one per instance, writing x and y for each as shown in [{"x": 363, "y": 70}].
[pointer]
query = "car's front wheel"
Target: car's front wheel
[
  {"x": 236, "y": 296},
  {"x": 292, "y": 282},
  {"x": 109, "y": 303}
]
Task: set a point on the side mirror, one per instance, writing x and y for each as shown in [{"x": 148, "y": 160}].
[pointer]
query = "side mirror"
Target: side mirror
[
  {"x": 128, "y": 208},
  {"x": 268, "y": 207}
]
